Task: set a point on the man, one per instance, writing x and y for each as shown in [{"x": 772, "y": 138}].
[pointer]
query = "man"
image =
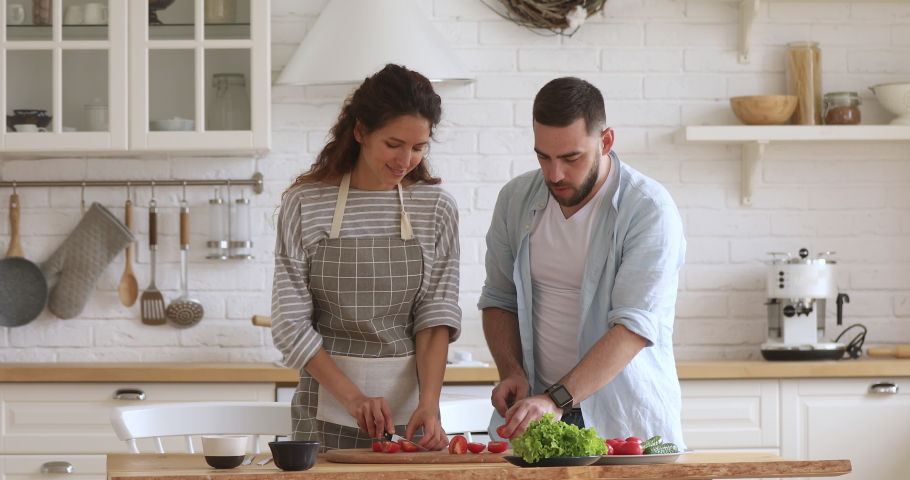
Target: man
[{"x": 583, "y": 260}]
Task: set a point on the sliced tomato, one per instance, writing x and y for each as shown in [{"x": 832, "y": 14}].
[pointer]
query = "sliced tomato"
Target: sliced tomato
[
  {"x": 458, "y": 445},
  {"x": 476, "y": 447},
  {"x": 500, "y": 430},
  {"x": 389, "y": 447},
  {"x": 633, "y": 439},
  {"x": 377, "y": 447},
  {"x": 497, "y": 447},
  {"x": 407, "y": 445}
]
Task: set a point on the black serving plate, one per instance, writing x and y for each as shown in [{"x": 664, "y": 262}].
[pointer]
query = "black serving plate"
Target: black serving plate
[{"x": 553, "y": 461}]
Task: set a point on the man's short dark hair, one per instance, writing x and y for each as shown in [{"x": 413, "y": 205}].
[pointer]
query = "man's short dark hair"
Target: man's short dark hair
[{"x": 564, "y": 100}]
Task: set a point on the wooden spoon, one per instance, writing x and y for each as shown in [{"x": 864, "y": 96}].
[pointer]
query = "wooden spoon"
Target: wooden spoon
[{"x": 129, "y": 287}]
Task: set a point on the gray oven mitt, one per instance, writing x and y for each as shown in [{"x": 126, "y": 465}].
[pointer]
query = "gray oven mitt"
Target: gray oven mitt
[{"x": 82, "y": 258}]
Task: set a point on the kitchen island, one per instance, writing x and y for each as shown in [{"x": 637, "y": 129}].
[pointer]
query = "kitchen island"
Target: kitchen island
[{"x": 695, "y": 466}]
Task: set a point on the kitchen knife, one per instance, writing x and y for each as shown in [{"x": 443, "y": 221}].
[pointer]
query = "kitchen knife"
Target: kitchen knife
[{"x": 391, "y": 437}]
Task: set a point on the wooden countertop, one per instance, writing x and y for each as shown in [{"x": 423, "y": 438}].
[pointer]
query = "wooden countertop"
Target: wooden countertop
[
  {"x": 695, "y": 466},
  {"x": 863, "y": 367},
  {"x": 186, "y": 372},
  {"x": 267, "y": 372}
]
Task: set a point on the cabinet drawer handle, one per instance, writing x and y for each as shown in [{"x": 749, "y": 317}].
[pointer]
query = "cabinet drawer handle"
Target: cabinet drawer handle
[
  {"x": 129, "y": 394},
  {"x": 883, "y": 387},
  {"x": 57, "y": 467}
]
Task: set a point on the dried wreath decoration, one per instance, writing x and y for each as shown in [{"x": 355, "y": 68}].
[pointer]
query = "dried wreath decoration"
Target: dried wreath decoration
[{"x": 554, "y": 15}]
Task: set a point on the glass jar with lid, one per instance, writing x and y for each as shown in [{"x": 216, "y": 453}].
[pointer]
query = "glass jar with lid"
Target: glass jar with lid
[
  {"x": 842, "y": 108},
  {"x": 230, "y": 107},
  {"x": 804, "y": 79}
]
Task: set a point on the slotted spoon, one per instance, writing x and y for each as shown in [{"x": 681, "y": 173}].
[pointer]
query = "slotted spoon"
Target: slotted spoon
[{"x": 184, "y": 312}]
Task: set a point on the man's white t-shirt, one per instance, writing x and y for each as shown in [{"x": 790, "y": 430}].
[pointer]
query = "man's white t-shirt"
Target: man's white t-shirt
[{"x": 559, "y": 248}]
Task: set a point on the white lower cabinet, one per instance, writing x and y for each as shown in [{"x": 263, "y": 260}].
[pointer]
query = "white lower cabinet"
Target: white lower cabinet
[
  {"x": 70, "y": 422},
  {"x": 731, "y": 415},
  {"x": 53, "y": 467},
  {"x": 866, "y": 420}
]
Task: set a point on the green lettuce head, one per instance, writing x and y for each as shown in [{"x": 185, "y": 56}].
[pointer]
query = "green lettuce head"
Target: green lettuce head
[{"x": 545, "y": 438}]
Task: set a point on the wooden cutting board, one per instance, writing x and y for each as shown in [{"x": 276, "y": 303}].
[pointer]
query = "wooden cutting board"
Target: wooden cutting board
[{"x": 367, "y": 455}]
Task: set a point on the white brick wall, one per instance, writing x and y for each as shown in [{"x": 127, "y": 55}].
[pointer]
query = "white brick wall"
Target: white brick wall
[{"x": 661, "y": 64}]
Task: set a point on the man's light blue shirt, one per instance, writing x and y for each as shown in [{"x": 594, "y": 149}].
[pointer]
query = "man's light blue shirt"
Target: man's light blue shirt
[{"x": 631, "y": 278}]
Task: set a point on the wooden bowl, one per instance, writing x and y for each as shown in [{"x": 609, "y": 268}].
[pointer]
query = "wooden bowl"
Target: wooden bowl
[{"x": 764, "y": 109}]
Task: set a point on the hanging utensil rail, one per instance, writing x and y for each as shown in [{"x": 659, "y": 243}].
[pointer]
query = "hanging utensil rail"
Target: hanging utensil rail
[{"x": 255, "y": 182}]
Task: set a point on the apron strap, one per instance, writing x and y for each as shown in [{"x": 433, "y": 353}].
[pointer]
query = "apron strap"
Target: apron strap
[
  {"x": 339, "y": 205},
  {"x": 407, "y": 232}
]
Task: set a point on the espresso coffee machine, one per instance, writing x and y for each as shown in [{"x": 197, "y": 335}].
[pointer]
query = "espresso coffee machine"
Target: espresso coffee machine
[{"x": 798, "y": 290}]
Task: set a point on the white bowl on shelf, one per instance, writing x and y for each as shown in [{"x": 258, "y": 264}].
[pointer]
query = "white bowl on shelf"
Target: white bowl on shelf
[
  {"x": 895, "y": 97},
  {"x": 175, "y": 124}
]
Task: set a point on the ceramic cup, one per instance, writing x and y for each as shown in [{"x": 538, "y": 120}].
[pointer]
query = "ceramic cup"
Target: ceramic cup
[
  {"x": 15, "y": 14},
  {"x": 220, "y": 11},
  {"x": 95, "y": 14},
  {"x": 73, "y": 15},
  {"x": 96, "y": 118},
  {"x": 224, "y": 451},
  {"x": 28, "y": 127}
]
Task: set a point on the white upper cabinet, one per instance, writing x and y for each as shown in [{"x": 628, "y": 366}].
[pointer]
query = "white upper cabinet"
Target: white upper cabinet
[{"x": 120, "y": 75}]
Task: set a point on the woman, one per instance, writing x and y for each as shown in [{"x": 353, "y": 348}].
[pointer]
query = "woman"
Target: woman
[{"x": 365, "y": 296}]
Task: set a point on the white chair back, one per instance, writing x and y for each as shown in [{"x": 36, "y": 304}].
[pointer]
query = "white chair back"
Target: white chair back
[{"x": 200, "y": 418}]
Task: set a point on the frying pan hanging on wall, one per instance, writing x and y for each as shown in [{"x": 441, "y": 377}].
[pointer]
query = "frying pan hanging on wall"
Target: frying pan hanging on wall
[{"x": 23, "y": 287}]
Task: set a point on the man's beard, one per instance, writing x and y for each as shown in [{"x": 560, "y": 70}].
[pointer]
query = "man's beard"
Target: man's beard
[{"x": 587, "y": 185}]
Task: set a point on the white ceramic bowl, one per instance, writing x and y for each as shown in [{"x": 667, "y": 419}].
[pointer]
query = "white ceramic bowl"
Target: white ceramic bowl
[
  {"x": 895, "y": 97},
  {"x": 172, "y": 125}
]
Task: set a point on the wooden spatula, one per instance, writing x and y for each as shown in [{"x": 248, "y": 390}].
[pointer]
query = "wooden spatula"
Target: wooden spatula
[{"x": 129, "y": 287}]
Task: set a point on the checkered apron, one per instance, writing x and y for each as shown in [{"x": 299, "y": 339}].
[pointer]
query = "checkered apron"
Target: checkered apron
[{"x": 363, "y": 291}]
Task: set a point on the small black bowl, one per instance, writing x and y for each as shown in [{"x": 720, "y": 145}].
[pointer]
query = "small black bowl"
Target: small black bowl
[
  {"x": 227, "y": 461},
  {"x": 294, "y": 455}
]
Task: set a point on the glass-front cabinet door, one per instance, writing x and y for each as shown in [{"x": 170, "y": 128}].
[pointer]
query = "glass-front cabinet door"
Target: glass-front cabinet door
[
  {"x": 199, "y": 75},
  {"x": 64, "y": 84}
]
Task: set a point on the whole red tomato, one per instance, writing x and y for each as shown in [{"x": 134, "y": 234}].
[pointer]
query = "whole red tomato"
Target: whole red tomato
[
  {"x": 612, "y": 442},
  {"x": 610, "y": 450},
  {"x": 458, "y": 445},
  {"x": 633, "y": 439},
  {"x": 628, "y": 448},
  {"x": 497, "y": 447}
]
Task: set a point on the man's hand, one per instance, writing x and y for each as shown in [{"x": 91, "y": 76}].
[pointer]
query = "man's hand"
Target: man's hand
[
  {"x": 525, "y": 411},
  {"x": 509, "y": 391}
]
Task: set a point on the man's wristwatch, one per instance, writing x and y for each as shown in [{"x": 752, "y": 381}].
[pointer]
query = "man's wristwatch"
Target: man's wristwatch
[{"x": 561, "y": 397}]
